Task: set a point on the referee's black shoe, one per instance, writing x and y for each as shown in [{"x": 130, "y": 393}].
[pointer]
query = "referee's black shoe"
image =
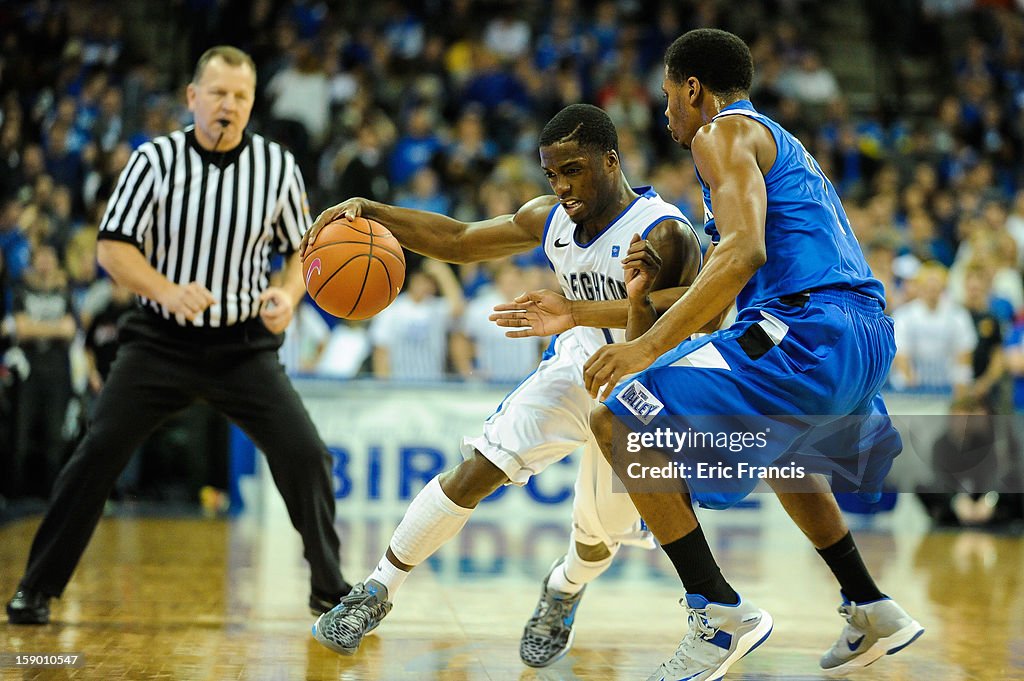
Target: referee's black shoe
[
  {"x": 318, "y": 605},
  {"x": 28, "y": 607}
]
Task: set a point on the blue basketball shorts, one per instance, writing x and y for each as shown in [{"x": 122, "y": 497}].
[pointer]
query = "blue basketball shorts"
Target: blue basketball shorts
[{"x": 792, "y": 382}]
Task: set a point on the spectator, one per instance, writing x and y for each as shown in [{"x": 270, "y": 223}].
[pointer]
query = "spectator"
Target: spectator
[
  {"x": 987, "y": 364},
  {"x": 89, "y": 294},
  {"x": 13, "y": 243},
  {"x": 101, "y": 335},
  {"x": 362, "y": 167},
  {"x": 481, "y": 349},
  {"x": 62, "y": 163},
  {"x": 1015, "y": 226},
  {"x": 416, "y": 148},
  {"x": 10, "y": 156},
  {"x": 410, "y": 336},
  {"x": 424, "y": 193},
  {"x": 881, "y": 254},
  {"x": 347, "y": 351},
  {"x": 626, "y": 101},
  {"x": 470, "y": 156},
  {"x": 45, "y": 326},
  {"x": 925, "y": 242},
  {"x": 965, "y": 466},
  {"x": 304, "y": 340},
  {"x": 301, "y": 94},
  {"x": 507, "y": 35},
  {"x": 811, "y": 82},
  {"x": 495, "y": 88},
  {"x": 934, "y": 337}
]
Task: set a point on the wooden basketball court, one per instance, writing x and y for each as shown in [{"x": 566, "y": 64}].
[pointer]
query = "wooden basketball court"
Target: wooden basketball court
[{"x": 194, "y": 598}]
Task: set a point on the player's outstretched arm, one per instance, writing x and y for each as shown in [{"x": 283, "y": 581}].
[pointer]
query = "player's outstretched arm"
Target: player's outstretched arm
[{"x": 444, "y": 238}]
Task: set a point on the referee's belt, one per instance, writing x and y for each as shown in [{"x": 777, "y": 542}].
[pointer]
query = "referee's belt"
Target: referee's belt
[{"x": 242, "y": 332}]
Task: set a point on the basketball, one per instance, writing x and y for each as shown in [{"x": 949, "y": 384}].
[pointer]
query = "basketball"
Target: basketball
[{"x": 354, "y": 269}]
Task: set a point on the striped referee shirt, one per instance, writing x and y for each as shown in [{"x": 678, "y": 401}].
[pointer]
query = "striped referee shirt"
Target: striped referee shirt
[{"x": 210, "y": 217}]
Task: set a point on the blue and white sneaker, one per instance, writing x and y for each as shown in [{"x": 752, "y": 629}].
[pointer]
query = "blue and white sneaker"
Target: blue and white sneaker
[
  {"x": 719, "y": 636},
  {"x": 548, "y": 634},
  {"x": 360, "y": 611},
  {"x": 872, "y": 630}
]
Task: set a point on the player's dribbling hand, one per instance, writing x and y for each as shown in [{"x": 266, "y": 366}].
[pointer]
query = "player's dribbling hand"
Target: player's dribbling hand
[
  {"x": 348, "y": 209},
  {"x": 190, "y": 300},
  {"x": 641, "y": 264},
  {"x": 535, "y": 313},
  {"x": 609, "y": 364},
  {"x": 277, "y": 309}
]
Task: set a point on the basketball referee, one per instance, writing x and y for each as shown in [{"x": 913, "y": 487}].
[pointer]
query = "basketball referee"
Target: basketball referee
[{"x": 191, "y": 228}]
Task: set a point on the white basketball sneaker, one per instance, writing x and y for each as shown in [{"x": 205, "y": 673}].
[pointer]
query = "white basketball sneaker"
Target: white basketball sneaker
[
  {"x": 872, "y": 630},
  {"x": 719, "y": 636}
]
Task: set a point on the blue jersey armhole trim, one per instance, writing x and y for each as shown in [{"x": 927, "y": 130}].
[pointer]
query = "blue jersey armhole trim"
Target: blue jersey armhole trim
[{"x": 544, "y": 236}]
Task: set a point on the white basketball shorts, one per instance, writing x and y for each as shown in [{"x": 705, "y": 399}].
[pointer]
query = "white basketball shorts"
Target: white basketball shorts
[{"x": 546, "y": 418}]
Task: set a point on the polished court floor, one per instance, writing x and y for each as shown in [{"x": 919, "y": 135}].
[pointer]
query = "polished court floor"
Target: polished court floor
[{"x": 194, "y": 598}]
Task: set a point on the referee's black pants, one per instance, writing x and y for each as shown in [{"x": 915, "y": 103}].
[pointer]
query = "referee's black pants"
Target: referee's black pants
[{"x": 160, "y": 369}]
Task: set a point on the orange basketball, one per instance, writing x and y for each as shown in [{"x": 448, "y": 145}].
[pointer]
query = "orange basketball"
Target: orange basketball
[{"x": 354, "y": 269}]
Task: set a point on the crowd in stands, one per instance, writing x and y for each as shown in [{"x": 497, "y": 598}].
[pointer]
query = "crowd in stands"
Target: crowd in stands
[{"x": 437, "y": 105}]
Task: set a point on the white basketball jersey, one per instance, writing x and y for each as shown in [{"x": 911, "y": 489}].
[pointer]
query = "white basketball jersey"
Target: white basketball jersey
[{"x": 593, "y": 270}]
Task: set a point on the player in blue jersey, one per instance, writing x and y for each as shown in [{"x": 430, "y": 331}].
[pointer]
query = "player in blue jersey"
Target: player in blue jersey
[{"x": 810, "y": 340}]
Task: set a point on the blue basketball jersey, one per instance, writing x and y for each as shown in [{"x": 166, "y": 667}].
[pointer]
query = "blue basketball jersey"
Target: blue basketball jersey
[{"x": 808, "y": 239}]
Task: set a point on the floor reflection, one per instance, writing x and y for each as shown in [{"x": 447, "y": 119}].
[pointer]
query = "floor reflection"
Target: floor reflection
[{"x": 215, "y": 599}]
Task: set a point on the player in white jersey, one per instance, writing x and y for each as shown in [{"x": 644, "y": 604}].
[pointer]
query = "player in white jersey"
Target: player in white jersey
[{"x": 593, "y": 227}]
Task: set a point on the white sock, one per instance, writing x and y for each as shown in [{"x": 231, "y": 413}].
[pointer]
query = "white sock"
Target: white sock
[
  {"x": 430, "y": 521},
  {"x": 388, "y": 574},
  {"x": 574, "y": 573}
]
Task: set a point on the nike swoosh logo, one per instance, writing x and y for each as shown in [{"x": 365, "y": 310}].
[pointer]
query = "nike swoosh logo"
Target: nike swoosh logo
[
  {"x": 560, "y": 245},
  {"x": 315, "y": 265},
  {"x": 853, "y": 645}
]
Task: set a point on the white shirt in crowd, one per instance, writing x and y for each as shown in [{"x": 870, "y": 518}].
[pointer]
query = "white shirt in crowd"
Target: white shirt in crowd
[
  {"x": 346, "y": 351},
  {"x": 498, "y": 357},
  {"x": 934, "y": 340},
  {"x": 303, "y": 339},
  {"x": 304, "y": 98},
  {"x": 415, "y": 336}
]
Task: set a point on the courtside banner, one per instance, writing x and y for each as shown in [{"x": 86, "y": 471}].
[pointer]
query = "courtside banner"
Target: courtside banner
[{"x": 388, "y": 440}]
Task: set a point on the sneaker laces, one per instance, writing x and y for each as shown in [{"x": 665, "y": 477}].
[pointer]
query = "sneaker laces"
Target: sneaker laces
[
  {"x": 700, "y": 629},
  {"x": 361, "y": 607},
  {"x": 551, "y": 613},
  {"x": 849, "y": 611}
]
